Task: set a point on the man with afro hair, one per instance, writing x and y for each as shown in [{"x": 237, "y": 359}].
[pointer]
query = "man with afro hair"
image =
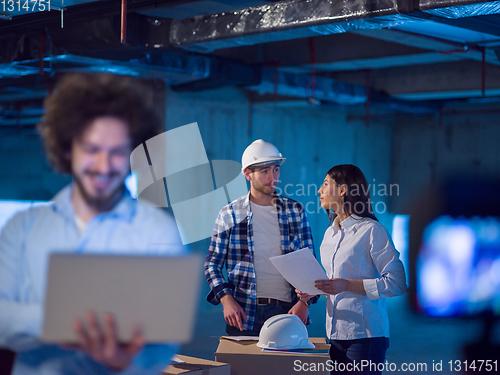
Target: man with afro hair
[{"x": 91, "y": 124}]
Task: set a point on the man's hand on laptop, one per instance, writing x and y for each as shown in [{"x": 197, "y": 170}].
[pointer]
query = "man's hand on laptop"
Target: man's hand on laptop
[{"x": 101, "y": 342}]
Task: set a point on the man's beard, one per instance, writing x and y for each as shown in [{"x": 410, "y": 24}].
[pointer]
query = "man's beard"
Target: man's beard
[
  {"x": 264, "y": 189},
  {"x": 100, "y": 203}
]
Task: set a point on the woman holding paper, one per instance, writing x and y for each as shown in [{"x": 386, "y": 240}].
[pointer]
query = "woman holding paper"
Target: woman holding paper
[{"x": 364, "y": 268}]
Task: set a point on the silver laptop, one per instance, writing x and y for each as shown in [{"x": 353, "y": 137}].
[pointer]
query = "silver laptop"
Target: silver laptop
[{"x": 159, "y": 294}]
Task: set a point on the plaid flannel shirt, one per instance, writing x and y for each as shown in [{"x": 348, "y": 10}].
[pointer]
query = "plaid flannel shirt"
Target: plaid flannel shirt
[{"x": 232, "y": 244}]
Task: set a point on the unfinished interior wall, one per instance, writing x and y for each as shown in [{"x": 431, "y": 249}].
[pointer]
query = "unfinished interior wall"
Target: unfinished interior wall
[
  {"x": 429, "y": 150},
  {"x": 25, "y": 173}
]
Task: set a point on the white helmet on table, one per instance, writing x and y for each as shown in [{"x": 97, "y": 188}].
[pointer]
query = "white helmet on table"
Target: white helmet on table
[
  {"x": 284, "y": 331},
  {"x": 261, "y": 154}
]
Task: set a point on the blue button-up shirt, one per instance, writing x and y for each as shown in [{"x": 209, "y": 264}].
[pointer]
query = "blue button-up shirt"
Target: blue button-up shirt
[
  {"x": 232, "y": 244},
  {"x": 25, "y": 244}
]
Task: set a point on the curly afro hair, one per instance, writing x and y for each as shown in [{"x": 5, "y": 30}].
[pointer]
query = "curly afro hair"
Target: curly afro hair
[{"x": 79, "y": 99}]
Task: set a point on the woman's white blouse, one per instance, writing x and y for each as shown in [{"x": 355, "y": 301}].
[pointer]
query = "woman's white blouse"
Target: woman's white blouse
[{"x": 361, "y": 249}]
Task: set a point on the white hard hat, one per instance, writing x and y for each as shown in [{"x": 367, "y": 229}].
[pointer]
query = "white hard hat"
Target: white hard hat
[
  {"x": 284, "y": 331},
  {"x": 260, "y": 152}
]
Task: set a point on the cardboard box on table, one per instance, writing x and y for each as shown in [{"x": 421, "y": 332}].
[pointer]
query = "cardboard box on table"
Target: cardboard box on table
[
  {"x": 246, "y": 358},
  {"x": 197, "y": 366}
]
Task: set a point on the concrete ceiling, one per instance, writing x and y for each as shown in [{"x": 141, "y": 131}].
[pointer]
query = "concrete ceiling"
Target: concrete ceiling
[{"x": 409, "y": 55}]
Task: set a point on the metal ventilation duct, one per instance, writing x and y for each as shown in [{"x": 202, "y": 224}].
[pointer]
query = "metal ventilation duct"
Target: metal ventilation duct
[
  {"x": 180, "y": 10},
  {"x": 304, "y": 18},
  {"x": 328, "y": 90},
  {"x": 455, "y": 9},
  {"x": 173, "y": 67},
  {"x": 285, "y": 20},
  {"x": 299, "y": 86}
]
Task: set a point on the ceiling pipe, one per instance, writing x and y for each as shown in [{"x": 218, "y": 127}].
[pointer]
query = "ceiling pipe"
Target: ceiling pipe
[
  {"x": 444, "y": 112},
  {"x": 367, "y": 103},
  {"x": 483, "y": 73},
  {"x": 41, "y": 51},
  {"x": 123, "y": 34}
]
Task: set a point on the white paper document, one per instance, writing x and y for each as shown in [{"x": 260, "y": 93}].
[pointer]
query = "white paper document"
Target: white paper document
[
  {"x": 177, "y": 360},
  {"x": 300, "y": 268},
  {"x": 241, "y": 338}
]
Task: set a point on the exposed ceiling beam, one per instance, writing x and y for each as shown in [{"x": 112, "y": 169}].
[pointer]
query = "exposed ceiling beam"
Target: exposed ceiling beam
[
  {"x": 19, "y": 122},
  {"x": 436, "y": 62},
  {"x": 328, "y": 49},
  {"x": 438, "y": 81},
  {"x": 330, "y": 90},
  {"x": 485, "y": 24},
  {"x": 375, "y": 49},
  {"x": 23, "y": 97},
  {"x": 378, "y": 63},
  {"x": 431, "y": 43}
]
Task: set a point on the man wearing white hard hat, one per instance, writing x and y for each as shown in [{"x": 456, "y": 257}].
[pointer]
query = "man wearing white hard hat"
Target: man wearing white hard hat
[{"x": 248, "y": 231}]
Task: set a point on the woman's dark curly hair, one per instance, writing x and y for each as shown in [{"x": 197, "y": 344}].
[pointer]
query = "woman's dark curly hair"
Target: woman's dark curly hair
[{"x": 79, "y": 99}]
